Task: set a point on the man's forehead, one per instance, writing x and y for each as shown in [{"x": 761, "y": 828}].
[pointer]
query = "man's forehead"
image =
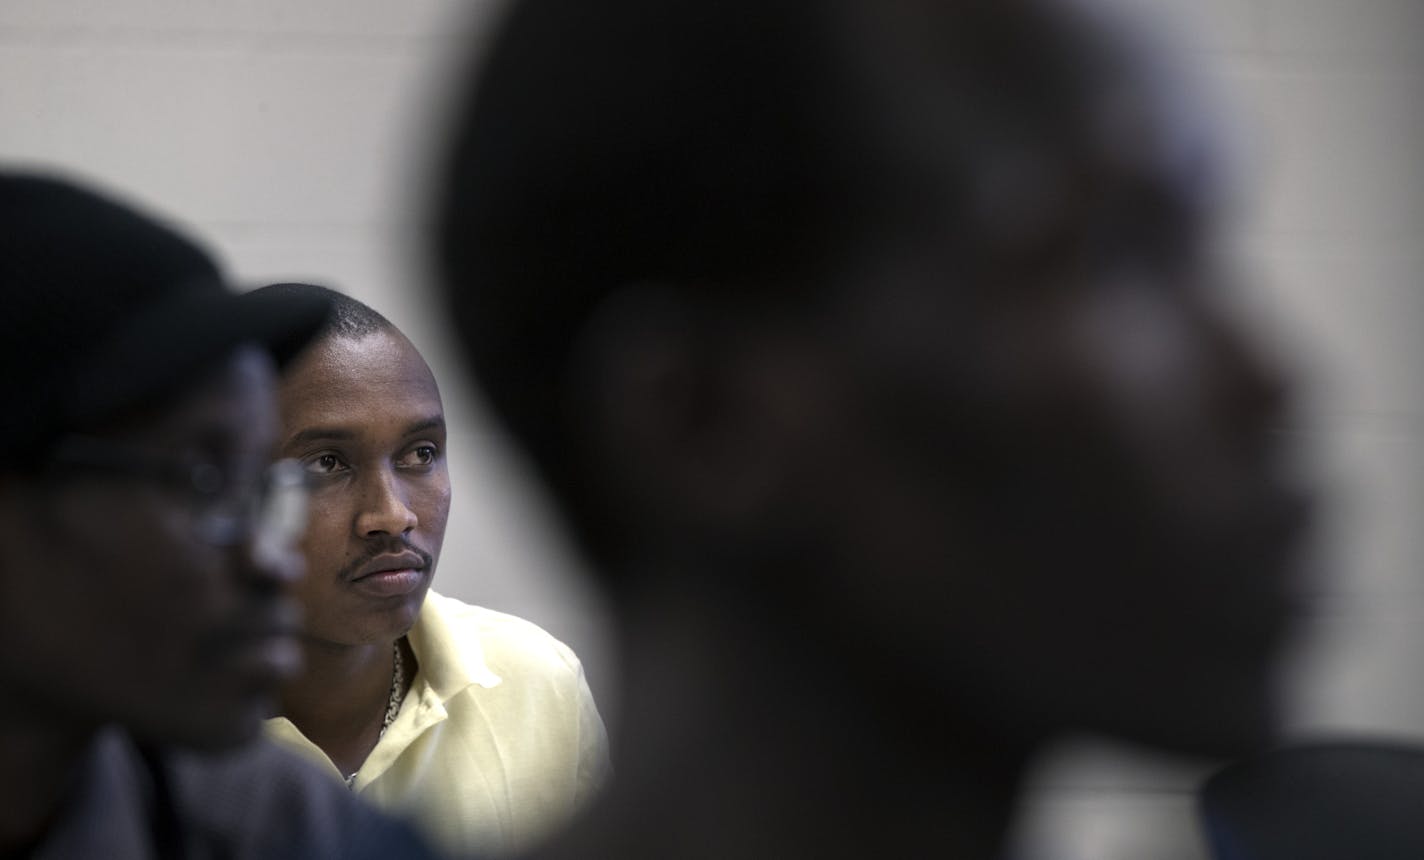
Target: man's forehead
[
  {"x": 347, "y": 385},
  {"x": 381, "y": 361},
  {"x": 235, "y": 399},
  {"x": 1149, "y": 161}
]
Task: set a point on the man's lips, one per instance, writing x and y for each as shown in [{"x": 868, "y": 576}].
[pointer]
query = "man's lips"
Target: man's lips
[
  {"x": 387, "y": 563},
  {"x": 391, "y": 575}
]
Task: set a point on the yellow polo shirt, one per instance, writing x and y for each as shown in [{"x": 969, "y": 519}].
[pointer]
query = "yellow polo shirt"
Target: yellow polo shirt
[{"x": 497, "y": 742}]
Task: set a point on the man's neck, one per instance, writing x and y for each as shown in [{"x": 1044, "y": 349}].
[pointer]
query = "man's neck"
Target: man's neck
[
  {"x": 747, "y": 738},
  {"x": 339, "y": 699},
  {"x": 38, "y": 762}
]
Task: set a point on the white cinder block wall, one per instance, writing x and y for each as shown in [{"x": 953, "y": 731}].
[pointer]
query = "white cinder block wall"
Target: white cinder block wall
[{"x": 293, "y": 134}]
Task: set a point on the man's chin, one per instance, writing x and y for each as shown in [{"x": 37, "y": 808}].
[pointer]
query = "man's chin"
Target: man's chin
[{"x": 1219, "y": 726}]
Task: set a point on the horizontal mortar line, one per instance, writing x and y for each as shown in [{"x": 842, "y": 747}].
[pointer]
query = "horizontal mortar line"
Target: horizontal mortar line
[
  {"x": 1320, "y": 607},
  {"x": 1403, "y": 245},
  {"x": 305, "y": 228},
  {"x": 1330, "y": 422},
  {"x": 1313, "y": 64},
  {"x": 257, "y": 41}
]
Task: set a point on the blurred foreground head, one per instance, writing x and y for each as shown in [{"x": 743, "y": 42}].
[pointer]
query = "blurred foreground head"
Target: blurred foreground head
[
  {"x": 892, "y": 322},
  {"x": 147, "y": 545}
]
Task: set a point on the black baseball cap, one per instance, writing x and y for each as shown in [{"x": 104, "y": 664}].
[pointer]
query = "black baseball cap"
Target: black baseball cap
[{"x": 104, "y": 308}]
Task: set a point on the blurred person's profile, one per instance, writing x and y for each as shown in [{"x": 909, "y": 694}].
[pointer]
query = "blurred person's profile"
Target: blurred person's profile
[
  {"x": 875, "y": 354},
  {"x": 476, "y": 724},
  {"x": 145, "y": 614}
]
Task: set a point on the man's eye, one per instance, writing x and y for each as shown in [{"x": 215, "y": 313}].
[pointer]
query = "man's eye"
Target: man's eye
[
  {"x": 324, "y": 464},
  {"x": 421, "y": 455},
  {"x": 207, "y": 479}
]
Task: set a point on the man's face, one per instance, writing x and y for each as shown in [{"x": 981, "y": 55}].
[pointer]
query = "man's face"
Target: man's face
[
  {"x": 113, "y": 608},
  {"x": 363, "y": 416},
  {"x": 1058, "y": 485}
]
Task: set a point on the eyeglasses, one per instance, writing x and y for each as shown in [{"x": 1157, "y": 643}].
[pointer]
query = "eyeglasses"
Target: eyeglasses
[{"x": 272, "y": 511}]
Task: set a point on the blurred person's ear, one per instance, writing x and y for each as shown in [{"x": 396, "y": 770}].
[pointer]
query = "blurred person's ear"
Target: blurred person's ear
[
  {"x": 11, "y": 502},
  {"x": 26, "y": 504},
  {"x": 695, "y": 413}
]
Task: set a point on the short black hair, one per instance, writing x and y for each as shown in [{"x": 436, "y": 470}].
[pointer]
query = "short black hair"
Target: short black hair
[
  {"x": 349, "y": 318},
  {"x": 727, "y": 146}
]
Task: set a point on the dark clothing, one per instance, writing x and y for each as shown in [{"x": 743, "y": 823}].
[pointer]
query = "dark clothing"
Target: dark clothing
[
  {"x": 256, "y": 802},
  {"x": 1361, "y": 800}
]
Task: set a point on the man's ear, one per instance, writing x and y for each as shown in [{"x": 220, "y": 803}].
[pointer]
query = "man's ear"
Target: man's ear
[
  {"x": 692, "y": 412},
  {"x": 16, "y": 510}
]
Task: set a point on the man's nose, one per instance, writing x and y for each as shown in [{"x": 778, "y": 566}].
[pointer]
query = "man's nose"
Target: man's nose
[
  {"x": 283, "y": 566},
  {"x": 384, "y": 509},
  {"x": 1258, "y": 384}
]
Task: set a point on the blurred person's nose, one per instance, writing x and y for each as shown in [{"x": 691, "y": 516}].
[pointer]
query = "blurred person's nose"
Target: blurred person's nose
[
  {"x": 278, "y": 523},
  {"x": 1256, "y": 384}
]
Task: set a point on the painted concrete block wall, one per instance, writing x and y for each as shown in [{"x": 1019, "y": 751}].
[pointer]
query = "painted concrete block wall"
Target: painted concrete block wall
[{"x": 296, "y": 136}]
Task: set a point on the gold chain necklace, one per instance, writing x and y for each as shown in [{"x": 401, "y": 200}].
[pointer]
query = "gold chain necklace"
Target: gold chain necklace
[{"x": 393, "y": 704}]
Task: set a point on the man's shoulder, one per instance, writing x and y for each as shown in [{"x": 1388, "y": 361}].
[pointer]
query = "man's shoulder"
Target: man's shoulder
[
  {"x": 509, "y": 644},
  {"x": 262, "y": 801},
  {"x": 285, "y": 778}
]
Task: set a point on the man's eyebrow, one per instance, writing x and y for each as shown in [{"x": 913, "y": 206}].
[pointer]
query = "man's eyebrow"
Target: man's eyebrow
[
  {"x": 324, "y": 434},
  {"x": 434, "y": 422},
  {"x": 345, "y": 434}
]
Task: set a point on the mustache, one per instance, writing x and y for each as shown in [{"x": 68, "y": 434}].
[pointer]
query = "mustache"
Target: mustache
[{"x": 394, "y": 547}]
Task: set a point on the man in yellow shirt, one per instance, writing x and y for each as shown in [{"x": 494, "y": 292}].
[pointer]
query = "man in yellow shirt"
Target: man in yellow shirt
[{"x": 478, "y": 725}]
